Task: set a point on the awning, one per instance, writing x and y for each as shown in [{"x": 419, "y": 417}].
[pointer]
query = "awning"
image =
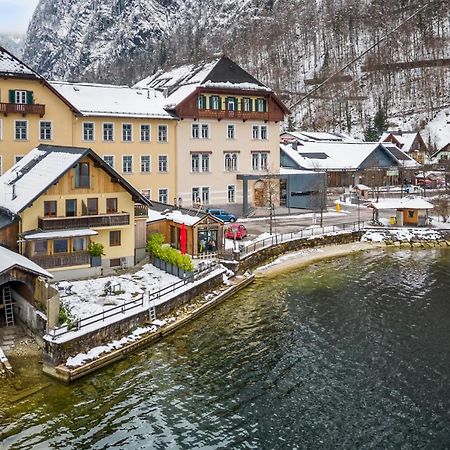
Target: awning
[{"x": 60, "y": 234}]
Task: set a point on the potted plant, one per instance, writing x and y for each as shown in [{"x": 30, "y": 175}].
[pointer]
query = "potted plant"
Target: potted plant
[{"x": 95, "y": 249}]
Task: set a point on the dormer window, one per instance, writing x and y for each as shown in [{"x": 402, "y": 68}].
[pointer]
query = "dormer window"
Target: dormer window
[{"x": 82, "y": 175}]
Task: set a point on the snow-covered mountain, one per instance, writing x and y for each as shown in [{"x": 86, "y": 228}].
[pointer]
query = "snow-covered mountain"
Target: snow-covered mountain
[
  {"x": 292, "y": 45},
  {"x": 13, "y": 43}
]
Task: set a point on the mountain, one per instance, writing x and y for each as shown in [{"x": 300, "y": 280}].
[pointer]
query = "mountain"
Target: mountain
[
  {"x": 292, "y": 45},
  {"x": 13, "y": 43}
]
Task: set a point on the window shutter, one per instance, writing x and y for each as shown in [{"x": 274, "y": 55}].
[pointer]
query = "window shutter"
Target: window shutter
[
  {"x": 30, "y": 97},
  {"x": 235, "y": 103},
  {"x": 264, "y": 105},
  {"x": 210, "y": 102},
  {"x": 220, "y": 103},
  {"x": 12, "y": 96},
  {"x": 203, "y": 102}
]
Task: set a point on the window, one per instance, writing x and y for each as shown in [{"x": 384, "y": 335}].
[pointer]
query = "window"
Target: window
[
  {"x": 162, "y": 133},
  {"x": 200, "y": 195},
  {"x": 60, "y": 246},
  {"x": 247, "y": 104},
  {"x": 71, "y": 207},
  {"x": 127, "y": 132},
  {"x": 45, "y": 131},
  {"x": 232, "y": 104},
  {"x": 261, "y": 105},
  {"x": 145, "y": 133},
  {"x": 201, "y": 102},
  {"x": 163, "y": 195},
  {"x": 82, "y": 175},
  {"x": 41, "y": 247},
  {"x": 231, "y": 162},
  {"x": 255, "y": 132},
  {"x": 109, "y": 159},
  {"x": 259, "y": 160},
  {"x": 231, "y": 131},
  {"x": 111, "y": 205},
  {"x": 92, "y": 206},
  {"x": 21, "y": 130},
  {"x": 114, "y": 238},
  {"x": 50, "y": 208},
  {"x": 205, "y": 131},
  {"x": 78, "y": 244},
  {"x": 127, "y": 164},
  {"x": 263, "y": 132},
  {"x": 195, "y": 131},
  {"x": 231, "y": 190},
  {"x": 20, "y": 97},
  {"x": 147, "y": 193},
  {"x": 145, "y": 163},
  {"x": 88, "y": 131},
  {"x": 108, "y": 132},
  {"x": 200, "y": 162},
  {"x": 162, "y": 163},
  {"x": 215, "y": 102}
]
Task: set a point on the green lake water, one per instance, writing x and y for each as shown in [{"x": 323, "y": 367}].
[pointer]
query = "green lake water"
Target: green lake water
[{"x": 348, "y": 353}]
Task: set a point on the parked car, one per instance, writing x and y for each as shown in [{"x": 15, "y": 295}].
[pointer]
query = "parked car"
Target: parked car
[
  {"x": 411, "y": 189},
  {"x": 222, "y": 215},
  {"x": 236, "y": 232}
]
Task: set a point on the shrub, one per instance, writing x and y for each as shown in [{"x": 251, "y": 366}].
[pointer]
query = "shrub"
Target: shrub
[
  {"x": 65, "y": 317},
  {"x": 95, "y": 249}
]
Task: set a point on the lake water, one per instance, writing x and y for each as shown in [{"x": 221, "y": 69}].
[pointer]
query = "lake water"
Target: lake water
[{"x": 349, "y": 353}]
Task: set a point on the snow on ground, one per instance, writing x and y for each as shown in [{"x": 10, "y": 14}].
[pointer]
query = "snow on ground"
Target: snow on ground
[
  {"x": 292, "y": 216},
  {"x": 88, "y": 297},
  {"x": 438, "y": 129},
  {"x": 401, "y": 234}
]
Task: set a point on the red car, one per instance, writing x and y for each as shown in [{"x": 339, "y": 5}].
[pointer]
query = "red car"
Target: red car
[{"x": 236, "y": 232}]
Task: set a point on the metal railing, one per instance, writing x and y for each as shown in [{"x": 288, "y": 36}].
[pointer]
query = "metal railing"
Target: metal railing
[{"x": 138, "y": 302}]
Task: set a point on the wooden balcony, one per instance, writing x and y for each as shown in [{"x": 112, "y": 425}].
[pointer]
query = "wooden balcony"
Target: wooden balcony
[
  {"x": 140, "y": 211},
  {"x": 100, "y": 220},
  {"x": 21, "y": 108},
  {"x": 62, "y": 260},
  {"x": 236, "y": 115}
]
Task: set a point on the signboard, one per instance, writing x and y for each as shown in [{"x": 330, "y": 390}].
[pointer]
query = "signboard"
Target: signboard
[{"x": 392, "y": 173}]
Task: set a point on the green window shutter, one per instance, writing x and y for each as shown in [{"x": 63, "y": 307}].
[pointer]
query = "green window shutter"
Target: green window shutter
[
  {"x": 203, "y": 102},
  {"x": 264, "y": 105},
  {"x": 235, "y": 103},
  {"x": 220, "y": 102},
  {"x": 250, "y": 104},
  {"x": 210, "y": 102},
  {"x": 12, "y": 96},
  {"x": 30, "y": 97}
]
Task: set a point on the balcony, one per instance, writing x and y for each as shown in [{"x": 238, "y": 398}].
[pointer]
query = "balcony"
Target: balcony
[
  {"x": 140, "y": 211},
  {"x": 94, "y": 221},
  {"x": 62, "y": 260},
  {"x": 21, "y": 108},
  {"x": 236, "y": 115}
]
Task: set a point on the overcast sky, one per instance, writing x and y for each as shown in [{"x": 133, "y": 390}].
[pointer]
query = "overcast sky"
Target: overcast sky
[{"x": 15, "y": 15}]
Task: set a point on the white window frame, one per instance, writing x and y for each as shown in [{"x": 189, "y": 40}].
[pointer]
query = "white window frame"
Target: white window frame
[
  {"x": 111, "y": 130},
  {"x": 26, "y": 130},
  {"x": 160, "y": 126},
  {"x": 231, "y": 199},
  {"x": 202, "y": 159},
  {"x": 147, "y": 193},
  {"x": 149, "y": 163},
  {"x": 255, "y": 132},
  {"x": 159, "y": 195},
  {"x": 113, "y": 160},
  {"x": 215, "y": 102},
  {"x": 123, "y": 164},
  {"x": 259, "y": 158},
  {"x": 195, "y": 130},
  {"x": 167, "y": 163},
  {"x": 246, "y": 104},
  {"x": 204, "y": 132},
  {"x": 125, "y": 132},
  {"x": 259, "y": 105},
  {"x": 20, "y": 97},
  {"x": 200, "y": 193},
  {"x": 40, "y": 130},
  {"x": 266, "y": 132},
  {"x": 149, "y": 132},
  {"x": 234, "y": 162},
  {"x": 83, "y": 135},
  {"x": 232, "y": 135},
  {"x": 230, "y": 101}
]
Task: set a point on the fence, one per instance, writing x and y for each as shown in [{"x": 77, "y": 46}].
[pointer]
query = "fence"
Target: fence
[
  {"x": 304, "y": 233},
  {"x": 132, "y": 304}
]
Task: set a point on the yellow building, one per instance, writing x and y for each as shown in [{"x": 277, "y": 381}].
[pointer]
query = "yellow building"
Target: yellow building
[{"x": 61, "y": 198}]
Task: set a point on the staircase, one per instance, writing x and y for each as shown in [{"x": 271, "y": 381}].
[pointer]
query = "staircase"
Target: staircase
[{"x": 7, "y": 302}]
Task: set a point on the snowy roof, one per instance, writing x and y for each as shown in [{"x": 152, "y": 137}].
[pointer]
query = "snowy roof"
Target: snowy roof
[
  {"x": 312, "y": 136},
  {"x": 110, "y": 100},
  {"x": 61, "y": 234},
  {"x": 221, "y": 73},
  {"x": 290, "y": 171},
  {"x": 406, "y": 139},
  {"x": 176, "y": 216},
  {"x": 410, "y": 202},
  {"x": 10, "y": 259},
  {"x": 12, "y": 66},
  {"x": 42, "y": 167}
]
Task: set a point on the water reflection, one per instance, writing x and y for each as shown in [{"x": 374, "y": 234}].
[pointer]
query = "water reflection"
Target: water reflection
[{"x": 347, "y": 353}]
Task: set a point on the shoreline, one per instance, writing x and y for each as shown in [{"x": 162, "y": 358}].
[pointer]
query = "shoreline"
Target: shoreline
[{"x": 301, "y": 258}]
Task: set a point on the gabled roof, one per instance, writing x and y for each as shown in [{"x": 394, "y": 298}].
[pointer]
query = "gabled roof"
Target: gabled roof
[
  {"x": 314, "y": 136},
  {"x": 44, "y": 166},
  {"x": 404, "y": 139},
  {"x": 410, "y": 202},
  {"x": 10, "y": 259},
  {"x": 178, "y": 83},
  {"x": 110, "y": 100},
  {"x": 10, "y": 66},
  {"x": 342, "y": 155}
]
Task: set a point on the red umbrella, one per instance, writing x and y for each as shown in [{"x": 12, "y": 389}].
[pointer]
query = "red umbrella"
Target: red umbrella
[{"x": 183, "y": 238}]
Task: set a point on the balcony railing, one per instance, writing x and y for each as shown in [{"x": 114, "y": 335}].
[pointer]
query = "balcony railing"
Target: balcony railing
[
  {"x": 63, "y": 260},
  {"x": 22, "y": 108},
  {"x": 100, "y": 220},
  {"x": 238, "y": 115},
  {"x": 140, "y": 210}
]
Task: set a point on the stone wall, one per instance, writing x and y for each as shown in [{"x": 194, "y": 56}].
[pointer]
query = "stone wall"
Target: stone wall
[{"x": 55, "y": 354}]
